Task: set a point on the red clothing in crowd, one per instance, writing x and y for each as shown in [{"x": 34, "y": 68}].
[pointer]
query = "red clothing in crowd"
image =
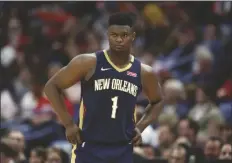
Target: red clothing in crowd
[{"x": 44, "y": 105}]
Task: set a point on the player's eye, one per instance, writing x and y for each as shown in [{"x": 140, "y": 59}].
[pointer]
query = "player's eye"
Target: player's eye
[
  {"x": 125, "y": 35},
  {"x": 114, "y": 35}
]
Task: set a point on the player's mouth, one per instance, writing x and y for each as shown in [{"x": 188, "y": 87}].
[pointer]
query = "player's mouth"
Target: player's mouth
[{"x": 119, "y": 46}]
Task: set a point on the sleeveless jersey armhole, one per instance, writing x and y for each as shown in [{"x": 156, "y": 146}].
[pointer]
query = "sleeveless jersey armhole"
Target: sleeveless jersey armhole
[
  {"x": 91, "y": 72},
  {"x": 141, "y": 76}
]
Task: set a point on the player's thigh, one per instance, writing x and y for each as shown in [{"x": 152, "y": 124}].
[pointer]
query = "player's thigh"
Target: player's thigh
[
  {"x": 84, "y": 155},
  {"x": 126, "y": 159},
  {"x": 89, "y": 159}
]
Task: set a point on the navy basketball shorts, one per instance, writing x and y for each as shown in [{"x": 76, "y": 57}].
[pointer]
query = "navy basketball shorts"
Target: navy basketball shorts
[{"x": 99, "y": 153}]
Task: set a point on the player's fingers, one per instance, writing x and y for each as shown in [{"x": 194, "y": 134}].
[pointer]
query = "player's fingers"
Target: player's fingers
[
  {"x": 78, "y": 139},
  {"x": 139, "y": 142},
  {"x": 72, "y": 139},
  {"x": 69, "y": 140},
  {"x": 135, "y": 139}
]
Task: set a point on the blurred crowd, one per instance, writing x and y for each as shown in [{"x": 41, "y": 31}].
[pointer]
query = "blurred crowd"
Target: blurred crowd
[{"x": 180, "y": 40}]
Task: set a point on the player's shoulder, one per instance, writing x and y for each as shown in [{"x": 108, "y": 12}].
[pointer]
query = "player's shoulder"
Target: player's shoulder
[
  {"x": 146, "y": 69},
  {"x": 85, "y": 59},
  {"x": 148, "y": 76}
]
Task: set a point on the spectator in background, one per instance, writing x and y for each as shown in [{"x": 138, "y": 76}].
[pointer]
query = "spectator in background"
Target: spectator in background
[
  {"x": 207, "y": 115},
  {"x": 167, "y": 125},
  {"x": 9, "y": 71},
  {"x": 8, "y": 106},
  {"x": 42, "y": 113},
  {"x": 210, "y": 39},
  {"x": 211, "y": 127},
  {"x": 34, "y": 101},
  {"x": 145, "y": 153},
  {"x": 182, "y": 140},
  {"x": 56, "y": 155},
  {"x": 189, "y": 129},
  {"x": 178, "y": 154},
  {"x": 203, "y": 109},
  {"x": 166, "y": 137},
  {"x": 221, "y": 71},
  {"x": 38, "y": 155},
  {"x": 93, "y": 43},
  {"x": 4, "y": 157},
  {"x": 149, "y": 152},
  {"x": 20, "y": 144},
  {"x": 154, "y": 15},
  {"x": 212, "y": 148},
  {"x": 7, "y": 152},
  {"x": 33, "y": 96},
  {"x": 174, "y": 93},
  {"x": 226, "y": 132},
  {"x": 226, "y": 152},
  {"x": 203, "y": 60}
]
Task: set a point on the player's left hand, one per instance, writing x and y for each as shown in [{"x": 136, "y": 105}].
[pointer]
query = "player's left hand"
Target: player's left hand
[{"x": 137, "y": 140}]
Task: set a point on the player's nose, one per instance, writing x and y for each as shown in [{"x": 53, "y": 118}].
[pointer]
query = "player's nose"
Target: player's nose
[{"x": 119, "y": 39}]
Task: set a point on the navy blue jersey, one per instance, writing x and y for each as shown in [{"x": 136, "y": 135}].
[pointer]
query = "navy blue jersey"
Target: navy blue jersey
[{"x": 107, "y": 111}]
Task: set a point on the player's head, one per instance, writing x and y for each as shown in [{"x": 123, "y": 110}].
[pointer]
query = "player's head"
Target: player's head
[{"x": 120, "y": 31}]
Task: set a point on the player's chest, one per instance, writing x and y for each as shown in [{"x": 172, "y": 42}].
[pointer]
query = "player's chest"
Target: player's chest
[
  {"x": 129, "y": 75},
  {"x": 116, "y": 84}
]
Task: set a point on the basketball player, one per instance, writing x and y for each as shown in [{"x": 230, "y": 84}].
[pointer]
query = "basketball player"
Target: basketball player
[{"x": 110, "y": 81}]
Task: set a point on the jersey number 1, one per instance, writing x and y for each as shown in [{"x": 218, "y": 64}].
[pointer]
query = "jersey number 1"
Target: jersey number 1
[{"x": 114, "y": 106}]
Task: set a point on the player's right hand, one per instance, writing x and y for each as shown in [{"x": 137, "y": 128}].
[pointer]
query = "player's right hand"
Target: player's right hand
[
  {"x": 137, "y": 140},
  {"x": 73, "y": 134}
]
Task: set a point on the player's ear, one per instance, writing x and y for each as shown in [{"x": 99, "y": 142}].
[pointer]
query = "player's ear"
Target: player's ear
[{"x": 133, "y": 36}]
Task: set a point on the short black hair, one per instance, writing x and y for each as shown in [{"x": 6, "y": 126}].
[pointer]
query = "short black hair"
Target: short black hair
[
  {"x": 194, "y": 126},
  {"x": 40, "y": 152},
  {"x": 122, "y": 18}
]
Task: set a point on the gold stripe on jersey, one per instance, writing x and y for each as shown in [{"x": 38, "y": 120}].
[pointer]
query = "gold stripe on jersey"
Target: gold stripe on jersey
[
  {"x": 73, "y": 156},
  {"x": 135, "y": 115},
  {"x": 116, "y": 67},
  {"x": 81, "y": 115}
]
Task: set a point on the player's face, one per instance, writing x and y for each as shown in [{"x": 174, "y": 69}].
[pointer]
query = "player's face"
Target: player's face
[{"x": 120, "y": 37}]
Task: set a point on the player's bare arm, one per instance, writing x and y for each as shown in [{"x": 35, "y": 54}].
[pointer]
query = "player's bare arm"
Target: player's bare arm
[
  {"x": 152, "y": 90},
  {"x": 77, "y": 69}
]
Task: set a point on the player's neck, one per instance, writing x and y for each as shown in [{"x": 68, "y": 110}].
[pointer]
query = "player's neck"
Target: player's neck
[{"x": 119, "y": 58}]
